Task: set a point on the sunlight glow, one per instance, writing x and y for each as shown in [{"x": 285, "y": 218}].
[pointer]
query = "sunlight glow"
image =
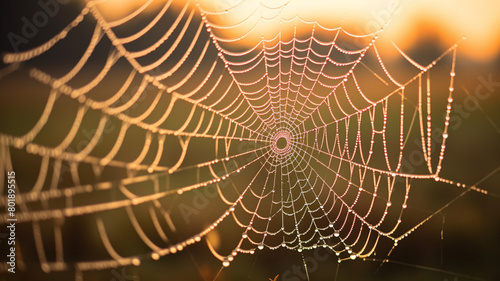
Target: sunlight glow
[
  {"x": 411, "y": 21},
  {"x": 447, "y": 20}
]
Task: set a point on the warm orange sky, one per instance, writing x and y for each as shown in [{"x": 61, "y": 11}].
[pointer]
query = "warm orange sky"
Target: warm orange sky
[{"x": 447, "y": 20}]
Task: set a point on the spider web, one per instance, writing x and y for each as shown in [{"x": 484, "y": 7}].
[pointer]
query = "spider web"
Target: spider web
[{"x": 301, "y": 138}]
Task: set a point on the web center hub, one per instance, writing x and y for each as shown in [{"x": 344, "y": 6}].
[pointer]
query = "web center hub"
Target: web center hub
[{"x": 282, "y": 142}]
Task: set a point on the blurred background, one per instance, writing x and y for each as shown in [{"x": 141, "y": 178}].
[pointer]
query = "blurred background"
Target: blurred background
[
  {"x": 412, "y": 23},
  {"x": 461, "y": 243}
]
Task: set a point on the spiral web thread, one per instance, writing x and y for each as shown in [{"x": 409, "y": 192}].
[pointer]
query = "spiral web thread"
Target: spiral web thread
[{"x": 338, "y": 182}]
